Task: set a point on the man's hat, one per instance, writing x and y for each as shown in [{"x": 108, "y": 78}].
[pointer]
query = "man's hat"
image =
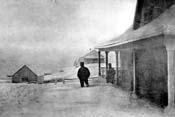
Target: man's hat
[{"x": 81, "y": 63}]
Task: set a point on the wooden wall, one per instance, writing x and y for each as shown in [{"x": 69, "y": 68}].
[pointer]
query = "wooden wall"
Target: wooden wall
[
  {"x": 147, "y": 10},
  {"x": 91, "y": 61},
  {"x": 125, "y": 71},
  {"x": 24, "y": 73},
  {"x": 151, "y": 75}
]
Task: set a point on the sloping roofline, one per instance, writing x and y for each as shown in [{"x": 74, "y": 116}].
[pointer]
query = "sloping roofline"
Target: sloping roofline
[
  {"x": 164, "y": 24},
  {"x": 22, "y": 68},
  {"x": 91, "y": 53}
]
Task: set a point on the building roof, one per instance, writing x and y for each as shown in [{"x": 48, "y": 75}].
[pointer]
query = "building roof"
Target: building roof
[
  {"x": 37, "y": 69},
  {"x": 92, "y": 55},
  {"x": 164, "y": 24},
  {"x": 23, "y": 67}
]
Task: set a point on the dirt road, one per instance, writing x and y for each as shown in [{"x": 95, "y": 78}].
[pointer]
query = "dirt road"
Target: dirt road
[{"x": 98, "y": 100}]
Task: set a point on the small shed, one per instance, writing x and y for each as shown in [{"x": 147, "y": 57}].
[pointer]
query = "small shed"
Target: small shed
[{"x": 24, "y": 74}]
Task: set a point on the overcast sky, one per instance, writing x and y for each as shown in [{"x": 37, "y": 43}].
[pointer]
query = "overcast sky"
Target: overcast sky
[{"x": 61, "y": 29}]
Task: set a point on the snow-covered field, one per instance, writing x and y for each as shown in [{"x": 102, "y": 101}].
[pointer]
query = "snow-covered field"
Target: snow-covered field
[
  {"x": 18, "y": 94},
  {"x": 69, "y": 100},
  {"x": 98, "y": 100},
  {"x": 71, "y": 72}
]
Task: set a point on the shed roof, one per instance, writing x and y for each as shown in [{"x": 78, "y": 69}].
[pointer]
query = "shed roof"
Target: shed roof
[
  {"x": 23, "y": 67},
  {"x": 164, "y": 24},
  {"x": 37, "y": 69}
]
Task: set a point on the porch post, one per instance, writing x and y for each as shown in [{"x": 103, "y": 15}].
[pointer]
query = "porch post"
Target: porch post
[
  {"x": 99, "y": 63},
  {"x": 171, "y": 76},
  {"x": 134, "y": 76},
  {"x": 169, "y": 43},
  {"x": 116, "y": 73},
  {"x": 106, "y": 52}
]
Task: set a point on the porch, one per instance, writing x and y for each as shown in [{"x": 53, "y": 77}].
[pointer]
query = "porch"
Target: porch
[{"x": 146, "y": 68}]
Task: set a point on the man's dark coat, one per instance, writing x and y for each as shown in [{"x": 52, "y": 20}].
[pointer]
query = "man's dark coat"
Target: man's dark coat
[{"x": 83, "y": 73}]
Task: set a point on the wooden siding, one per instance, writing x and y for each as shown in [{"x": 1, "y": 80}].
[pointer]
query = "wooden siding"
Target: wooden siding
[
  {"x": 91, "y": 61},
  {"x": 125, "y": 71},
  {"x": 24, "y": 75},
  {"x": 151, "y": 74},
  {"x": 147, "y": 10}
]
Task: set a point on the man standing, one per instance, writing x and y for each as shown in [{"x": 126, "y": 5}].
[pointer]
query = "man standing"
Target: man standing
[
  {"x": 110, "y": 74},
  {"x": 83, "y": 75}
]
